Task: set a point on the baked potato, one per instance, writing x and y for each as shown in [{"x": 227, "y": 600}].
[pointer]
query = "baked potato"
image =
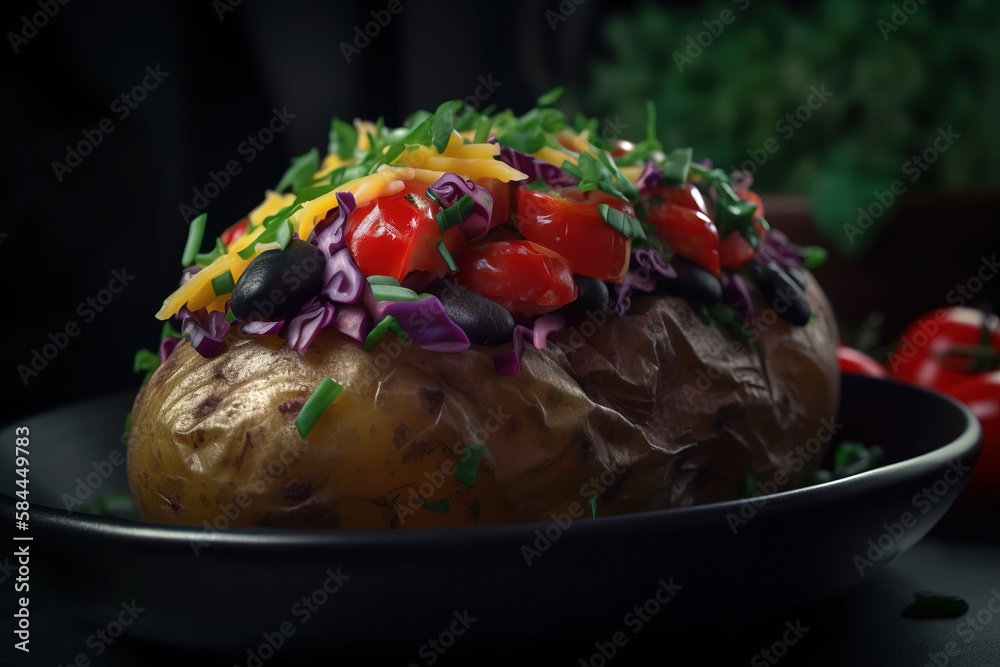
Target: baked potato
[
  {"x": 654, "y": 409},
  {"x": 354, "y": 350}
]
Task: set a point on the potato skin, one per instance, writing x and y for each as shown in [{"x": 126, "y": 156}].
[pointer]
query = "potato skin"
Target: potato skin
[{"x": 652, "y": 410}]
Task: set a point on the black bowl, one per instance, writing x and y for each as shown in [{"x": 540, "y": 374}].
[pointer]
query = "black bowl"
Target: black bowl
[{"x": 235, "y": 588}]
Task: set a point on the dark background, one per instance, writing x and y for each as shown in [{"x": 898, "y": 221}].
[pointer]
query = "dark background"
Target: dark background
[{"x": 120, "y": 206}]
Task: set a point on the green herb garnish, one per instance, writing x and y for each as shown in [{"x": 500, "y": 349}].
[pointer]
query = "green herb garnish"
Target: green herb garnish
[
  {"x": 196, "y": 231},
  {"x": 444, "y": 124},
  {"x": 204, "y": 259},
  {"x": 593, "y": 506},
  {"x": 383, "y": 280},
  {"x": 145, "y": 360},
  {"x": 678, "y": 165},
  {"x": 813, "y": 256},
  {"x": 317, "y": 404},
  {"x": 551, "y": 97},
  {"x": 622, "y": 222},
  {"x": 454, "y": 214},
  {"x": 375, "y": 335},
  {"x": 343, "y": 139},
  {"x": 230, "y": 316},
  {"x": 301, "y": 172},
  {"x": 223, "y": 284},
  {"x": 468, "y": 465},
  {"x": 393, "y": 293},
  {"x": 128, "y": 425},
  {"x": 448, "y": 259}
]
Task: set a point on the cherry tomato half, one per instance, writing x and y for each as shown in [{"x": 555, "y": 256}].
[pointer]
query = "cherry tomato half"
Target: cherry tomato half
[
  {"x": 397, "y": 234},
  {"x": 735, "y": 251},
  {"x": 855, "y": 361},
  {"x": 522, "y": 276},
  {"x": 982, "y": 395},
  {"x": 679, "y": 215},
  {"x": 576, "y": 230},
  {"x": 929, "y": 353}
]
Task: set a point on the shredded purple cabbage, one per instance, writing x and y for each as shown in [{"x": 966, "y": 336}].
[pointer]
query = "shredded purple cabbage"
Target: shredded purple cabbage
[
  {"x": 343, "y": 281},
  {"x": 535, "y": 168},
  {"x": 207, "y": 330},
  {"x": 262, "y": 328},
  {"x": 646, "y": 268},
  {"x": 167, "y": 346},
  {"x": 651, "y": 176},
  {"x": 424, "y": 321},
  {"x": 353, "y": 320},
  {"x": 775, "y": 246},
  {"x": 315, "y": 314},
  {"x": 736, "y": 294},
  {"x": 509, "y": 362},
  {"x": 450, "y": 188}
]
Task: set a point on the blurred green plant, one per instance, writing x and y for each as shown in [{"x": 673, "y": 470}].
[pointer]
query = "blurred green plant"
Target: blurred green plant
[{"x": 891, "y": 91}]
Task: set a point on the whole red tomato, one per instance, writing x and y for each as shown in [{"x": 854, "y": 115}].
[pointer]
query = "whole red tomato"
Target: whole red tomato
[
  {"x": 940, "y": 349},
  {"x": 982, "y": 395},
  {"x": 855, "y": 361}
]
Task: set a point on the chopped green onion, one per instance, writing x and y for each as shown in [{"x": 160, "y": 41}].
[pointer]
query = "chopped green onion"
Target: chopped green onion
[
  {"x": 813, "y": 256},
  {"x": 317, "y": 404},
  {"x": 593, "y": 506},
  {"x": 383, "y": 280},
  {"x": 443, "y": 124},
  {"x": 468, "y": 465},
  {"x": 396, "y": 328},
  {"x": 223, "y": 284},
  {"x": 678, "y": 165},
  {"x": 622, "y": 222},
  {"x": 301, "y": 172},
  {"x": 454, "y": 214},
  {"x": 343, "y": 139},
  {"x": 204, "y": 259},
  {"x": 551, "y": 97},
  {"x": 439, "y": 506},
  {"x": 448, "y": 259},
  {"x": 375, "y": 335},
  {"x": 276, "y": 230},
  {"x": 393, "y": 293},
  {"x": 196, "y": 230},
  {"x": 230, "y": 316},
  {"x": 483, "y": 130}
]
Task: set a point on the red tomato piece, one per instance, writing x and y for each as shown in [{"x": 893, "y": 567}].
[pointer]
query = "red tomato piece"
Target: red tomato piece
[
  {"x": 678, "y": 213},
  {"x": 751, "y": 196},
  {"x": 397, "y": 234},
  {"x": 576, "y": 230},
  {"x": 735, "y": 251},
  {"x": 522, "y": 276},
  {"x": 235, "y": 231},
  {"x": 855, "y": 361}
]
